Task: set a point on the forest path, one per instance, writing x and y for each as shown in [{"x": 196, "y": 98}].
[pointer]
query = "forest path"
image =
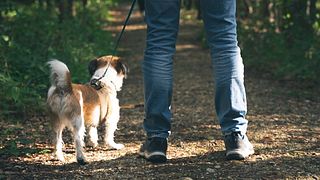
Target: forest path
[{"x": 283, "y": 123}]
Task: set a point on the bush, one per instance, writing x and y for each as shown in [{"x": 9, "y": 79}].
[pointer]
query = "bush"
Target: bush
[
  {"x": 30, "y": 36},
  {"x": 270, "y": 52}
]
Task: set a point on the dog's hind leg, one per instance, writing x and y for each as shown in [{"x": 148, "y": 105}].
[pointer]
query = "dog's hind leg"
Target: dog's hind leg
[
  {"x": 58, "y": 127},
  {"x": 78, "y": 134},
  {"x": 93, "y": 132}
]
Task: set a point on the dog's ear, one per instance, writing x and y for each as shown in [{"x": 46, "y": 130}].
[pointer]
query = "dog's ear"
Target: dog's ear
[
  {"x": 92, "y": 67},
  {"x": 122, "y": 68},
  {"x": 125, "y": 70}
]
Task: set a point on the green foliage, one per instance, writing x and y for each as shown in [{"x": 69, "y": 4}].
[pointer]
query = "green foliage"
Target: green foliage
[
  {"x": 269, "y": 52},
  {"x": 30, "y": 35},
  {"x": 11, "y": 145},
  {"x": 18, "y": 148},
  {"x": 282, "y": 40}
]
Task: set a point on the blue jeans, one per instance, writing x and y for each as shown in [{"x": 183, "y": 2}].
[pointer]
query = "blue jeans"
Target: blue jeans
[{"x": 162, "y": 18}]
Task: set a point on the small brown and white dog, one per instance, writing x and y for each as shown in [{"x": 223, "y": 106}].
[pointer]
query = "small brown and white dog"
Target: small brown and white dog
[{"x": 81, "y": 106}]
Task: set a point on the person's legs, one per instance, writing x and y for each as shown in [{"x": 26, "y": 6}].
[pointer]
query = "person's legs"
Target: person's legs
[
  {"x": 162, "y": 18},
  {"x": 220, "y": 23}
]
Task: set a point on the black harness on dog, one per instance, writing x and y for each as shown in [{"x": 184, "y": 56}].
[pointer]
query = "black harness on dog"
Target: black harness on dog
[{"x": 96, "y": 83}]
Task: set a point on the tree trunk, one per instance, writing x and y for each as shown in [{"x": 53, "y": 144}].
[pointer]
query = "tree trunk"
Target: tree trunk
[
  {"x": 84, "y": 3},
  {"x": 49, "y": 5},
  {"x": 278, "y": 15},
  {"x": 298, "y": 26},
  {"x": 71, "y": 9},
  {"x": 265, "y": 4},
  {"x": 61, "y": 7},
  {"x": 66, "y": 9},
  {"x": 313, "y": 11},
  {"x": 41, "y": 4},
  {"x": 248, "y": 8}
]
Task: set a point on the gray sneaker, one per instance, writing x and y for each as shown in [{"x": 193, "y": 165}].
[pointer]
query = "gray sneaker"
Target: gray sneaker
[{"x": 237, "y": 146}]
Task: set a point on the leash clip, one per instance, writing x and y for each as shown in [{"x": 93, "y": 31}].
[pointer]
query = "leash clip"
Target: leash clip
[{"x": 96, "y": 84}]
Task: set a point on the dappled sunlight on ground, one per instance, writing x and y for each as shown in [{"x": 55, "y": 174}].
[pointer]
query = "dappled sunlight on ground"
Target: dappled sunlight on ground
[
  {"x": 283, "y": 128},
  {"x": 186, "y": 47}
]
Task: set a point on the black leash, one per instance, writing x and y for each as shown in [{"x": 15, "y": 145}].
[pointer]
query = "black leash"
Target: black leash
[
  {"x": 96, "y": 82},
  {"x": 124, "y": 27}
]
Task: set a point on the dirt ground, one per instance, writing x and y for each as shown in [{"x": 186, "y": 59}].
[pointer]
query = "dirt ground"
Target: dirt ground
[{"x": 283, "y": 124}]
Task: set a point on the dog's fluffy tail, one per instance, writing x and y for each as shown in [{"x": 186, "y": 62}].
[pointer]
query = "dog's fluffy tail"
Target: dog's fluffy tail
[{"x": 60, "y": 75}]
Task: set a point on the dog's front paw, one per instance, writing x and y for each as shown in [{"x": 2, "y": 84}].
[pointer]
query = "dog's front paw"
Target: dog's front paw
[
  {"x": 116, "y": 146},
  {"x": 60, "y": 157}
]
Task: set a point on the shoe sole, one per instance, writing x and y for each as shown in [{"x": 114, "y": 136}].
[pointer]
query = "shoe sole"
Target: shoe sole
[
  {"x": 238, "y": 155},
  {"x": 235, "y": 157},
  {"x": 154, "y": 157}
]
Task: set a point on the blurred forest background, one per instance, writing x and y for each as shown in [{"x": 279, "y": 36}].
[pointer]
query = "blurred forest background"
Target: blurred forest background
[
  {"x": 35, "y": 31},
  {"x": 280, "y": 38}
]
